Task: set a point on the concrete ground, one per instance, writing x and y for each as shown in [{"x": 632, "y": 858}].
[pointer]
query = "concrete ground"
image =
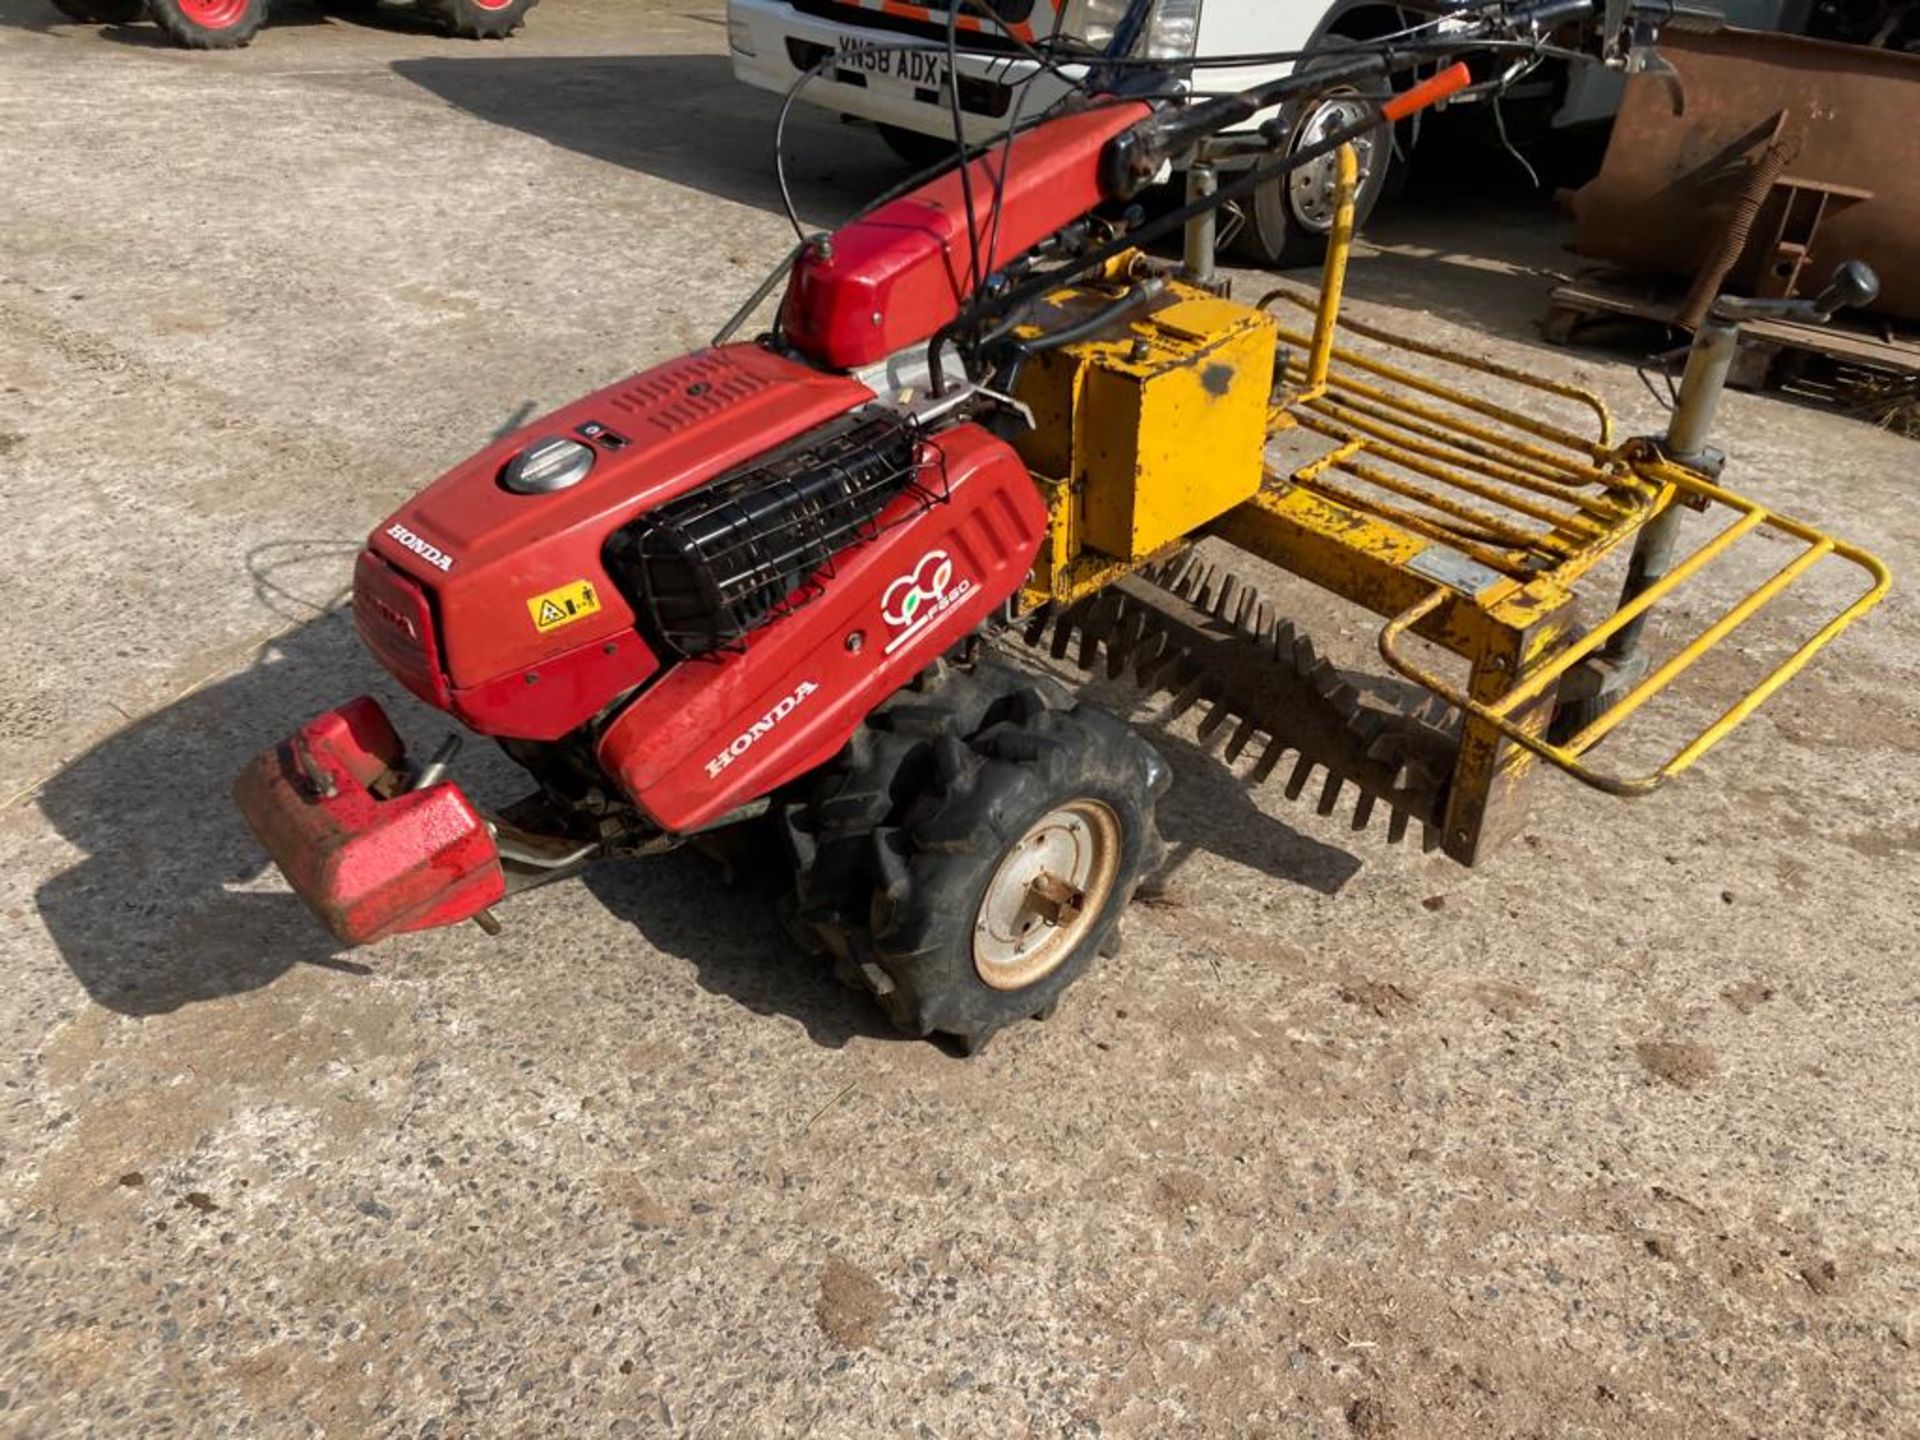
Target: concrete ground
[{"x": 1612, "y": 1135}]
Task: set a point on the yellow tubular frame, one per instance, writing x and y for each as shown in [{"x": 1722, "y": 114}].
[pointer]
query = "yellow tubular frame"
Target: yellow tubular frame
[
  {"x": 1609, "y": 490},
  {"x": 1536, "y": 681}
]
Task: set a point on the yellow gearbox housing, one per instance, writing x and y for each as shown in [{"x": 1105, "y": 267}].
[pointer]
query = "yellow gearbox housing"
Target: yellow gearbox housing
[{"x": 1146, "y": 432}]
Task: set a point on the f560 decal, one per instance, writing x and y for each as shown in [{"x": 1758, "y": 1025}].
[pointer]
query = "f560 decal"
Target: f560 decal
[{"x": 915, "y": 599}]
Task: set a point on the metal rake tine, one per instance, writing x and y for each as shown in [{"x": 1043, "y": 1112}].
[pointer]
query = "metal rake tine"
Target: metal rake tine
[
  {"x": 1397, "y": 826},
  {"x": 1363, "y": 810},
  {"x": 1223, "y": 602}
]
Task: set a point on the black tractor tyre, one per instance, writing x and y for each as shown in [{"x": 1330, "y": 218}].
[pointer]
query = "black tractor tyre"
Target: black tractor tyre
[
  {"x": 479, "y": 19},
  {"x": 928, "y": 815},
  {"x": 1272, "y": 234},
  {"x": 922, "y": 152},
  {"x": 203, "y": 25},
  {"x": 102, "y": 12}
]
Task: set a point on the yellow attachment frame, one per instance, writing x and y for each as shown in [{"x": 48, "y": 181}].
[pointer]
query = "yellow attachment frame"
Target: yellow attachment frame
[
  {"x": 1512, "y": 510},
  {"x": 1460, "y": 499}
]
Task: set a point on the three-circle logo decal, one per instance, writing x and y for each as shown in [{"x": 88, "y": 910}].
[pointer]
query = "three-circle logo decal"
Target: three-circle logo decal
[{"x": 916, "y": 598}]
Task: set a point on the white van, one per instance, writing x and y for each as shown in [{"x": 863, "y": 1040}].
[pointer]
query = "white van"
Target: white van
[{"x": 904, "y": 92}]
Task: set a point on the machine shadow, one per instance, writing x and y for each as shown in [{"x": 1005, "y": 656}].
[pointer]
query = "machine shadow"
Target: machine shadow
[
  {"x": 149, "y": 920},
  {"x": 163, "y": 909},
  {"x": 680, "y": 118},
  {"x": 172, "y": 901},
  {"x": 719, "y": 914}
]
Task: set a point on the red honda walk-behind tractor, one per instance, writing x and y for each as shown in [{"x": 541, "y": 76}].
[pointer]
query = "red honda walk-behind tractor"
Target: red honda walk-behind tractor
[{"x": 778, "y": 580}]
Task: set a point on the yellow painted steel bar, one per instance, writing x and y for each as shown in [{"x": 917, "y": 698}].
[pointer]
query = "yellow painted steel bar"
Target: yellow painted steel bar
[
  {"x": 1493, "y": 525},
  {"x": 1517, "y": 420},
  {"x": 1685, "y": 757},
  {"x": 1576, "y": 393},
  {"x": 1583, "y": 473},
  {"x": 1308, "y": 473},
  {"x": 1427, "y": 460},
  {"x": 1535, "y": 681},
  {"x": 1333, "y": 273},
  {"x": 1665, "y": 674},
  {"x": 1436, "y": 443},
  {"x": 1487, "y": 554}
]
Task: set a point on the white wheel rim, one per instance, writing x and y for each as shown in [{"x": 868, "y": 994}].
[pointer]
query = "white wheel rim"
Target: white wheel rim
[
  {"x": 1310, "y": 189},
  {"x": 1046, "y": 896}
]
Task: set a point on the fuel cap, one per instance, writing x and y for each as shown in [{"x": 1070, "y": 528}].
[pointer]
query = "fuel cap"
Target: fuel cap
[{"x": 547, "y": 465}]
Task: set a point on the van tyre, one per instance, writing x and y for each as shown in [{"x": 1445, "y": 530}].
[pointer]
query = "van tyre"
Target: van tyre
[
  {"x": 1286, "y": 222},
  {"x": 102, "y": 12},
  {"x": 968, "y": 859},
  {"x": 209, "y": 24},
  {"x": 479, "y": 19}
]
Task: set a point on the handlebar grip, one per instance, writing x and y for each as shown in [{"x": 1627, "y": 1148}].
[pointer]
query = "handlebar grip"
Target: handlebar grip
[{"x": 1429, "y": 91}]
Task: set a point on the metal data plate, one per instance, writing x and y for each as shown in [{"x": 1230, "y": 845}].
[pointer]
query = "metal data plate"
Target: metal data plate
[{"x": 1454, "y": 570}]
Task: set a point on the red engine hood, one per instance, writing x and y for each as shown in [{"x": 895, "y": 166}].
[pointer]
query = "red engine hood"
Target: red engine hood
[{"x": 488, "y": 556}]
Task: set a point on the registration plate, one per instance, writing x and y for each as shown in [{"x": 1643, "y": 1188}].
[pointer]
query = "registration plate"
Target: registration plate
[{"x": 922, "y": 69}]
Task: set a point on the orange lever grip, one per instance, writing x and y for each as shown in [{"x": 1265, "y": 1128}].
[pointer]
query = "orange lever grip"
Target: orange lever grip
[{"x": 1427, "y": 92}]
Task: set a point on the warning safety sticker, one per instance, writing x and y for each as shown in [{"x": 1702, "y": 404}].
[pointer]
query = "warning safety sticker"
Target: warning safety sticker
[{"x": 563, "y": 606}]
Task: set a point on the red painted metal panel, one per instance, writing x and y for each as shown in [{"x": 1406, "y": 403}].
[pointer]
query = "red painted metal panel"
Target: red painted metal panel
[
  {"x": 723, "y": 729},
  {"x": 895, "y": 277}
]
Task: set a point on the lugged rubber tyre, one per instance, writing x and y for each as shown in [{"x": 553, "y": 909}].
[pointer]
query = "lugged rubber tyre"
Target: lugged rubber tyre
[
  {"x": 928, "y": 814},
  {"x": 102, "y": 12},
  {"x": 209, "y": 24},
  {"x": 479, "y": 19}
]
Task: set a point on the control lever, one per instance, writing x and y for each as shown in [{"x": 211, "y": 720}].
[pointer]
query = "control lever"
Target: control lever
[{"x": 1853, "y": 284}]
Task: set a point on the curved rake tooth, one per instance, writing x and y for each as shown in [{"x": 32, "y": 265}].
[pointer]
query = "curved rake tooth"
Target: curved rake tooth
[
  {"x": 1429, "y": 836},
  {"x": 1363, "y": 810},
  {"x": 1256, "y": 624},
  {"x": 1330, "y": 792},
  {"x": 1304, "y": 657},
  {"x": 1230, "y": 589},
  {"x": 1127, "y": 634},
  {"x": 1242, "y": 734},
  {"x": 1037, "y": 623},
  {"x": 1397, "y": 826},
  {"x": 1062, "y": 638},
  {"x": 1283, "y": 638}
]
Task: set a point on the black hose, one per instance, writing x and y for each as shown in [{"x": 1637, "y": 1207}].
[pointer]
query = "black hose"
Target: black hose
[{"x": 1022, "y": 351}]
